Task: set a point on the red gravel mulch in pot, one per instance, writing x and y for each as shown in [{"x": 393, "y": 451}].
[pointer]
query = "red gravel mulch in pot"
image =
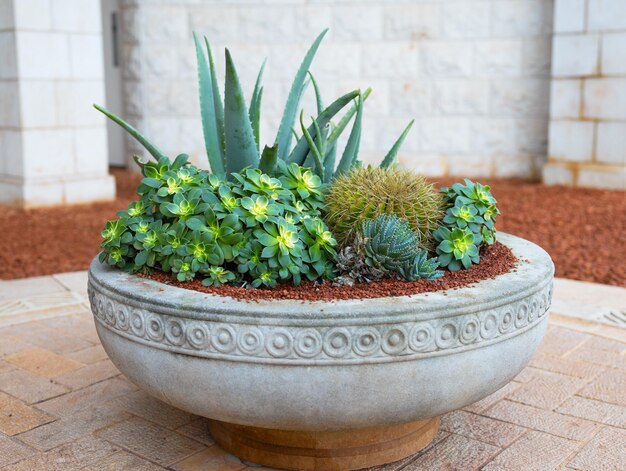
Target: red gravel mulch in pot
[{"x": 583, "y": 230}]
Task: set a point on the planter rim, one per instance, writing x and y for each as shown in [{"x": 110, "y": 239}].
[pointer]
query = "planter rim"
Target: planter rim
[{"x": 534, "y": 269}]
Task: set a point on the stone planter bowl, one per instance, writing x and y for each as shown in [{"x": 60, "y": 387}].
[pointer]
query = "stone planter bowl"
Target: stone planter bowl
[{"x": 324, "y": 385}]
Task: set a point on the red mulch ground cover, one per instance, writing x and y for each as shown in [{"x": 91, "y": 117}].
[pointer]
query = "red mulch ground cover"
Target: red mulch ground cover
[{"x": 583, "y": 230}]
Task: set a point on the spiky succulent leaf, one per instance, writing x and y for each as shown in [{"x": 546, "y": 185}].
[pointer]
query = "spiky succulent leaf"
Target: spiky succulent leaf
[
  {"x": 350, "y": 153},
  {"x": 210, "y": 127},
  {"x": 421, "y": 267},
  {"x": 143, "y": 140},
  {"x": 255, "y": 104},
  {"x": 388, "y": 243},
  {"x": 241, "y": 148},
  {"x": 217, "y": 100},
  {"x": 283, "y": 138},
  {"x": 269, "y": 157},
  {"x": 393, "y": 152}
]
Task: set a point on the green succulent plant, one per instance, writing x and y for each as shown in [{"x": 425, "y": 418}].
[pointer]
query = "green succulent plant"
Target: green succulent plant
[
  {"x": 231, "y": 127},
  {"x": 369, "y": 192},
  {"x": 471, "y": 205},
  {"x": 387, "y": 242},
  {"x": 249, "y": 229},
  {"x": 421, "y": 267},
  {"x": 457, "y": 248}
]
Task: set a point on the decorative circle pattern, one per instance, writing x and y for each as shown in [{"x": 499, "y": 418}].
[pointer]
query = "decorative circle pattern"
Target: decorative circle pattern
[
  {"x": 366, "y": 341},
  {"x": 308, "y": 343},
  {"x": 318, "y": 343}
]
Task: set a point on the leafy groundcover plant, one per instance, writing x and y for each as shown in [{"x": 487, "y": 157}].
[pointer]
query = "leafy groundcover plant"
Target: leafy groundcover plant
[{"x": 260, "y": 216}]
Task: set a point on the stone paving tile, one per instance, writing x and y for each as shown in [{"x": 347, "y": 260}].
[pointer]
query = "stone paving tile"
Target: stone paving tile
[
  {"x": 43, "y": 362},
  {"x": 610, "y": 332},
  {"x": 73, "y": 281},
  {"x": 150, "y": 441},
  {"x": 566, "y": 366},
  {"x": 400, "y": 464},
  {"x": 600, "y": 343},
  {"x": 89, "y": 355},
  {"x": 609, "y": 386},
  {"x": 454, "y": 453},
  {"x": 10, "y": 344},
  {"x": 560, "y": 340},
  {"x": 88, "y": 375},
  {"x": 487, "y": 402},
  {"x": 73, "y": 456},
  {"x": 547, "y": 390},
  {"x": 77, "y": 425},
  {"x": 213, "y": 458},
  {"x": 599, "y": 357},
  {"x": 606, "y": 451},
  {"x": 535, "y": 451},
  {"x": 16, "y": 417},
  {"x": 5, "y": 367},
  {"x": 87, "y": 398},
  {"x": 542, "y": 420},
  {"x": 78, "y": 325},
  {"x": 198, "y": 429},
  {"x": 487, "y": 430},
  {"x": 11, "y": 289},
  {"x": 143, "y": 405},
  {"x": 29, "y": 387},
  {"x": 12, "y": 451},
  {"x": 123, "y": 461},
  {"x": 526, "y": 375},
  {"x": 609, "y": 414}
]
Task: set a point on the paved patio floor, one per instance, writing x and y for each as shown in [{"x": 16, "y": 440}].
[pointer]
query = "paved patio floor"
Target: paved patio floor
[{"x": 64, "y": 406}]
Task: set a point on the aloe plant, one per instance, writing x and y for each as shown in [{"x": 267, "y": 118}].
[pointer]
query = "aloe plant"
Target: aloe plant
[{"x": 231, "y": 127}]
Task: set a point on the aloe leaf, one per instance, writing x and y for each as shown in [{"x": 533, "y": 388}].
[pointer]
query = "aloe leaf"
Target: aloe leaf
[
  {"x": 143, "y": 140},
  {"x": 319, "y": 166},
  {"x": 393, "y": 152},
  {"x": 207, "y": 112},
  {"x": 345, "y": 119},
  {"x": 283, "y": 138},
  {"x": 217, "y": 100},
  {"x": 269, "y": 158},
  {"x": 350, "y": 153},
  {"x": 241, "y": 149},
  {"x": 255, "y": 115},
  {"x": 301, "y": 149},
  {"x": 318, "y": 95},
  {"x": 329, "y": 163}
]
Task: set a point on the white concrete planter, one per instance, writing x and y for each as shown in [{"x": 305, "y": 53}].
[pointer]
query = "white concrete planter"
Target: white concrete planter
[{"x": 317, "y": 367}]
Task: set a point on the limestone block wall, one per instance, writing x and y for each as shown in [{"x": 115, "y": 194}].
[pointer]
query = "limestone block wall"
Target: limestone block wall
[
  {"x": 588, "y": 104},
  {"x": 53, "y": 146},
  {"x": 474, "y": 73}
]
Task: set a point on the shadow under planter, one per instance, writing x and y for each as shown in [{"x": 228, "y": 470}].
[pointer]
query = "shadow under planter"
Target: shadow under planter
[{"x": 324, "y": 385}]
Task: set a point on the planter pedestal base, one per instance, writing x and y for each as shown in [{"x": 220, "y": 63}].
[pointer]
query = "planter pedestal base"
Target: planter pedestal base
[{"x": 336, "y": 450}]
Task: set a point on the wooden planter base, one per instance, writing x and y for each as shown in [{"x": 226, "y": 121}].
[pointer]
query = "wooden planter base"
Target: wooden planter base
[{"x": 328, "y": 451}]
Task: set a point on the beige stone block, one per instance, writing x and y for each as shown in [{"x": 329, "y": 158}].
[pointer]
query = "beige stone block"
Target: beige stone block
[
  {"x": 351, "y": 22},
  {"x": 606, "y": 15},
  {"x": 520, "y": 97},
  {"x": 81, "y": 16},
  {"x": 8, "y": 54},
  {"x": 9, "y": 105},
  {"x": 75, "y": 100},
  {"x": 461, "y": 97},
  {"x": 399, "y": 57},
  {"x": 87, "y": 190},
  {"x": 467, "y": 20},
  {"x": 43, "y": 55},
  {"x": 37, "y": 103},
  {"x": 412, "y": 21},
  {"x": 35, "y": 194},
  {"x": 611, "y": 143},
  {"x": 557, "y": 174},
  {"x": 6, "y": 14},
  {"x": 497, "y": 57},
  {"x": 48, "y": 152},
  {"x": 446, "y": 59},
  {"x": 602, "y": 177},
  {"x": 447, "y": 135},
  {"x": 492, "y": 136},
  {"x": 569, "y": 16},
  {"x": 605, "y": 98},
  {"x": 537, "y": 56},
  {"x": 86, "y": 54},
  {"x": 521, "y": 18},
  {"x": 26, "y": 287},
  {"x": 565, "y": 98},
  {"x": 571, "y": 140},
  {"x": 609, "y": 414},
  {"x": 165, "y": 23},
  {"x": 11, "y": 153},
  {"x": 29, "y": 387},
  {"x": 613, "y": 61},
  {"x": 470, "y": 165},
  {"x": 11, "y": 450},
  {"x": 575, "y": 55},
  {"x": 32, "y": 14}
]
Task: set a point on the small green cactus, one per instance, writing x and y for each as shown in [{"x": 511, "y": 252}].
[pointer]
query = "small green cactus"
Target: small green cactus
[
  {"x": 367, "y": 193},
  {"x": 421, "y": 267}
]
